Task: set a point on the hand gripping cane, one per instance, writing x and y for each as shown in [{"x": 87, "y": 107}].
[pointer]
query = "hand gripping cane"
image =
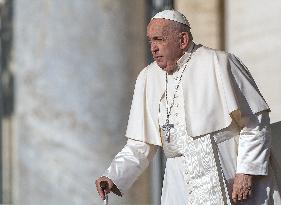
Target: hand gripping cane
[{"x": 104, "y": 185}]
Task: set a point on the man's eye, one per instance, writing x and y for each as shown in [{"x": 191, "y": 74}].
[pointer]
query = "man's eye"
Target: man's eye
[{"x": 150, "y": 41}]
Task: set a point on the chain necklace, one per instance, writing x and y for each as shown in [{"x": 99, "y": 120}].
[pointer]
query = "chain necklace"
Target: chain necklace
[{"x": 167, "y": 126}]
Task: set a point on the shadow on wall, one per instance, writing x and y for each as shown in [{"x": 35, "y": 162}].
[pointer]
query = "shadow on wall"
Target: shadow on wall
[{"x": 276, "y": 151}]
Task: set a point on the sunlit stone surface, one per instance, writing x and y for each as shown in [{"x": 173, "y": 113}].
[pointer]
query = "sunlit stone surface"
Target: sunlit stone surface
[
  {"x": 253, "y": 33},
  {"x": 75, "y": 63},
  {"x": 206, "y": 20}
]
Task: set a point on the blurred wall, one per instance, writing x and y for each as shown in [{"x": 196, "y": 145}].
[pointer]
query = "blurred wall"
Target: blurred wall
[
  {"x": 75, "y": 64},
  {"x": 253, "y": 31},
  {"x": 206, "y": 19}
]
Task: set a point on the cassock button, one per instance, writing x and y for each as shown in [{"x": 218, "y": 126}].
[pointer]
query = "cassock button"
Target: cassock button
[{"x": 186, "y": 172}]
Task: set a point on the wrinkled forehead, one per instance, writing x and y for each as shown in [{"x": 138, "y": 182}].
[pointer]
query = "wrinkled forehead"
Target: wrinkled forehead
[
  {"x": 158, "y": 24},
  {"x": 159, "y": 27}
]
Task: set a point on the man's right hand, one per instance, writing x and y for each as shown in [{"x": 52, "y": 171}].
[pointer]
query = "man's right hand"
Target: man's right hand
[{"x": 105, "y": 185}]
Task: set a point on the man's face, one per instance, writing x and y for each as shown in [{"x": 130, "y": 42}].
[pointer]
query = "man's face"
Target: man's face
[{"x": 164, "y": 43}]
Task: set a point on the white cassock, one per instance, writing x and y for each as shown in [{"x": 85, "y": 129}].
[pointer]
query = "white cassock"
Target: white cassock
[{"x": 221, "y": 127}]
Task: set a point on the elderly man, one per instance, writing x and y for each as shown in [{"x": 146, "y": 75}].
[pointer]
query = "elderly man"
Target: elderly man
[{"x": 204, "y": 109}]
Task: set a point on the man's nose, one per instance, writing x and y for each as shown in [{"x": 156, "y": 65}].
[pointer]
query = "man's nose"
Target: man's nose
[{"x": 154, "y": 47}]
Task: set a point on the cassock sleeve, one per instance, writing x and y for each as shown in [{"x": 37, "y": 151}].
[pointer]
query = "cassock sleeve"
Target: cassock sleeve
[
  {"x": 254, "y": 144},
  {"x": 129, "y": 163}
]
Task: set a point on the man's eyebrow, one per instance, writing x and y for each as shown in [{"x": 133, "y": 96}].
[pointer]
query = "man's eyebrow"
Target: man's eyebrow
[{"x": 154, "y": 37}]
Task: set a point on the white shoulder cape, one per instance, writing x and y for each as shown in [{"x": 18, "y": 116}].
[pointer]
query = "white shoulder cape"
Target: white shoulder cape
[{"x": 215, "y": 84}]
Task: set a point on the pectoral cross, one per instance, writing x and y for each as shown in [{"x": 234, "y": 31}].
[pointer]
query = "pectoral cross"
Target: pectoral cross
[{"x": 166, "y": 128}]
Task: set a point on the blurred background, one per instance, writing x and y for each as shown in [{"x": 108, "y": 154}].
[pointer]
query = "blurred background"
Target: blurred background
[{"x": 68, "y": 69}]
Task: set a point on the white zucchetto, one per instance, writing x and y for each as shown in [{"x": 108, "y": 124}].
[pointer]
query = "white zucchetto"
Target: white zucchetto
[{"x": 172, "y": 15}]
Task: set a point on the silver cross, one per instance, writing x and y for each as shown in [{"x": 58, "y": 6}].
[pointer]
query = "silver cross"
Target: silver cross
[{"x": 166, "y": 128}]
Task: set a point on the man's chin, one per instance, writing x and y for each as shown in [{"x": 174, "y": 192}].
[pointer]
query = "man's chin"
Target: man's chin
[
  {"x": 166, "y": 68},
  {"x": 161, "y": 65}
]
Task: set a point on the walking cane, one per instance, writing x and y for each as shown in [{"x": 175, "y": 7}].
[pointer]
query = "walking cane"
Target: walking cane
[{"x": 103, "y": 185}]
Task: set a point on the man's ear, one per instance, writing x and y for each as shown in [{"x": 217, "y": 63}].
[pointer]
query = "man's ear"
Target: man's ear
[{"x": 184, "y": 40}]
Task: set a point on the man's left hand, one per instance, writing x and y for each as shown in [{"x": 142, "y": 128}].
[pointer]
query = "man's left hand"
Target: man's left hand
[{"x": 242, "y": 187}]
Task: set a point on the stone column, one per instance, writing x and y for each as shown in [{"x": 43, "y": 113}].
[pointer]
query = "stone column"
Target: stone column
[
  {"x": 75, "y": 64},
  {"x": 253, "y": 33},
  {"x": 206, "y": 19}
]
